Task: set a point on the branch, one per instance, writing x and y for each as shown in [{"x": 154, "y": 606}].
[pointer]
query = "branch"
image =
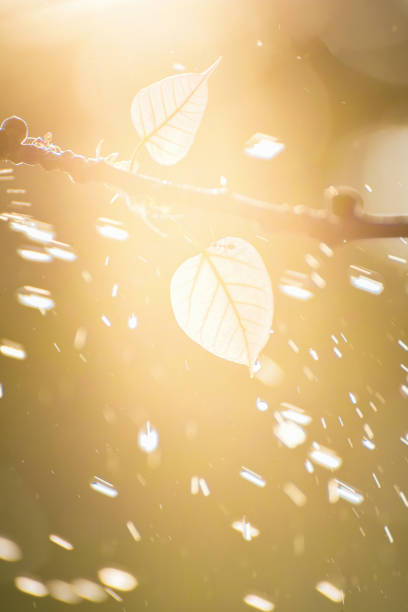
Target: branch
[{"x": 342, "y": 220}]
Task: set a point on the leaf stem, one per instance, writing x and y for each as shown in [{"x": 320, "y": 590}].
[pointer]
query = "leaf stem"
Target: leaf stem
[{"x": 138, "y": 148}]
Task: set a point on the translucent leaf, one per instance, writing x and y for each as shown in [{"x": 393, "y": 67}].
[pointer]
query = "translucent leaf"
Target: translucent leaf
[
  {"x": 167, "y": 114},
  {"x": 222, "y": 299}
]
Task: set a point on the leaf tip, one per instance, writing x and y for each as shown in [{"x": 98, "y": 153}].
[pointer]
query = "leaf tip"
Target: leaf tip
[{"x": 213, "y": 66}]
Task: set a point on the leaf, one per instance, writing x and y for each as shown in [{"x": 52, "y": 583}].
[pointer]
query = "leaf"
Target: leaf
[
  {"x": 222, "y": 299},
  {"x": 167, "y": 114}
]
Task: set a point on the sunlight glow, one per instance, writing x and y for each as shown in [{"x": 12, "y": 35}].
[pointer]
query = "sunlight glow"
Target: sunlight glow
[{"x": 145, "y": 309}]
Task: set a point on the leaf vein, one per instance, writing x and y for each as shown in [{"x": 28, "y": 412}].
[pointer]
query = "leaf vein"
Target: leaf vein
[
  {"x": 236, "y": 284},
  {"x": 252, "y": 304},
  {"x": 235, "y": 261},
  {"x": 222, "y": 283},
  {"x": 178, "y": 109},
  {"x": 207, "y": 313}
]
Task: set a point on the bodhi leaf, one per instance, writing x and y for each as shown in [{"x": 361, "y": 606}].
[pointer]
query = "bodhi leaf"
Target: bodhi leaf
[
  {"x": 222, "y": 299},
  {"x": 167, "y": 114}
]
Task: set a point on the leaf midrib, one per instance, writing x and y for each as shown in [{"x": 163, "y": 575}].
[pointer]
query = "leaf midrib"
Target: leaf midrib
[
  {"x": 219, "y": 278},
  {"x": 178, "y": 109}
]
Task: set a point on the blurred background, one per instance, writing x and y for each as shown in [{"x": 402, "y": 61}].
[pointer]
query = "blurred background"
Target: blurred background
[{"x": 123, "y": 443}]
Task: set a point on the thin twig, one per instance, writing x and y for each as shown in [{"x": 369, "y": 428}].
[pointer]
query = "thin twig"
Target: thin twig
[{"x": 342, "y": 220}]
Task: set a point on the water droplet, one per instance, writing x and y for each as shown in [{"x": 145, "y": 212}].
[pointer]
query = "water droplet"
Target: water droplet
[
  {"x": 365, "y": 280},
  {"x": 104, "y": 487},
  {"x": 296, "y": 285},
  {"x": 33, "y": 297},
  {"x": 61, "y": 251},
  {"x": 108, "y": 228},
  {"x": 340, "y": 490},
  {"x": 134, "y": 532},
  {"x": 330, "y": 591},
  {"x": 251, "y": 476},
  {"x": 56, "y": 539},
  {"x": 325, "y": 457},
  {"x": 295, "y": 494},
  {"x": 133, "y": 321},
  {"x": 9, "y": 550},
  {"x": 148, "y": 438},
  {"x": 263, "y": 146},
  {"x": 261, "y": 404},
  {"x": 88, "y": 590},
  {"x": 62, "y": 591},
  {"x": 289, "y": 433},
  {"x": 12, "y": 349},
  {"x": 117, "y": 579},
  {"x": 247, "y": 530},
  {"x": 255, "y": 601},
  {"x": 31, "y": 586},
  {"x": 34, "y": 254}
]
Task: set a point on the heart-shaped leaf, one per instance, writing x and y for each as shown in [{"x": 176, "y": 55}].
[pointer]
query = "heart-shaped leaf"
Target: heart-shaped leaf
[
  {"x": 167, "y": 114},
  {"x": 222, "y": 299}
]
